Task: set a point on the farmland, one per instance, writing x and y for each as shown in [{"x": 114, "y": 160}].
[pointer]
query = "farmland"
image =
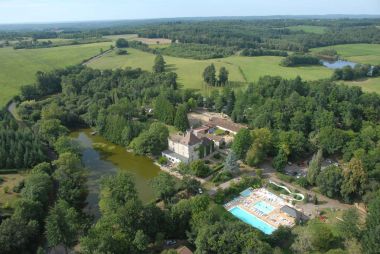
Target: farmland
[
  {"x": 369, "y": 85},
  {"x": 18, "y": 67},
  {"x": 190, "y": 71},
  {"x": 359, "y": 53}
]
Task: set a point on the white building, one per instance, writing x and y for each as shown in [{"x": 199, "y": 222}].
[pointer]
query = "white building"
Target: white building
[{"x": 187, "y": 148}]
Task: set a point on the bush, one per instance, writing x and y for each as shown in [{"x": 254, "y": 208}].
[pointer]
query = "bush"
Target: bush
[
  {"x": 302, "y": 181},
  {"x": 217, "y": 156},
  {"x": 1, "y": 180},
  {"x": 199, "y": 168},
  {"x": 222, "y": 177},
  {"x": 6, "y": 189},
  {"x": 121, "y": 52},
  {"x": 284, "y": 177},
  {"x": 17, "y": 188},
  {"x": 162, "y": 160}
]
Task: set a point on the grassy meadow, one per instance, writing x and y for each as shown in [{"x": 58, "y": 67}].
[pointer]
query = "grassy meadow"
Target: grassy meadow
[
  {"x": 359, "y": 53},
  {"x": 243, "y": 69},
  {"x": 368, "y": 85},
  {"x": 308, "y": 29},
  {"x": 18, "y": 67}
]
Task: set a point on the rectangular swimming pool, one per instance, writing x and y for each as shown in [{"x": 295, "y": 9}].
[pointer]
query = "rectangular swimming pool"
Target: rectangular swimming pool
[
  {"x": 252, "y": 220},
  {"x": 263, "y": 207}
]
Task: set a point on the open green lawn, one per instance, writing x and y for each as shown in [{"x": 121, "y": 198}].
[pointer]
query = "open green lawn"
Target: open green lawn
[
  {"x": 359, "y": 53},
  {"x": 309, "y": 29},
  {"x": 190, "y": 71},
  {"x": 18, "y": 67},
  {"x": 368, "y": 85}
]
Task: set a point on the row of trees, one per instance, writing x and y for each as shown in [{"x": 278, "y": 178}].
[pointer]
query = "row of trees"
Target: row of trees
[
  {"x": 358, "y": 72},
  {"x": 209, "y": 76},
  {"x": 298, "y": 59},
  {"x": 196, "y": 51}
]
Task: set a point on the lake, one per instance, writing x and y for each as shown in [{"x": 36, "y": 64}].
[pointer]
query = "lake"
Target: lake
[
  {"x": 103, "y": 158},
  {"x": 337, "y": 64}
]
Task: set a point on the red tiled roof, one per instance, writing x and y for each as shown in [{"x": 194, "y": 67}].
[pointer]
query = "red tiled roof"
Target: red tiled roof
[
  {"x": 189, "y": 139},
  {"x": 184, "y": 250}
]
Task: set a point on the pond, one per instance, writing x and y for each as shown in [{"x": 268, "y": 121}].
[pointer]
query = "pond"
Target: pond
[
  {"x": 103, "y": 158},
  {"x": 337, "y": 64}
]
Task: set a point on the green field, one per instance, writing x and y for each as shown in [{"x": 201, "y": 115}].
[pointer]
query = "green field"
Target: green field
[
  {"x": 358, "y": 53},
  {"x": 369, "y": 85},
  {"x": 18, "y": 67},
  {"x": 190, "y": 71},
  {"x": 309, "y": 29}
]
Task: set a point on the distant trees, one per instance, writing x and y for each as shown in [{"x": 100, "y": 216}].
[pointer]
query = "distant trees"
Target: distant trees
[
  {"x": 358, "y": 72},
  {"x": 209, "y": 76},
  {"x": 159, "y": 64},
  {"x": 121, "y": 43}
]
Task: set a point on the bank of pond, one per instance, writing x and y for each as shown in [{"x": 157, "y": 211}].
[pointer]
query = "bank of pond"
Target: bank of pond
[{"x": 103, "y": 158}]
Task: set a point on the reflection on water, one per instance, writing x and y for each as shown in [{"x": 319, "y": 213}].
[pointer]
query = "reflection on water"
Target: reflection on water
[
  {"x": 337, "y": 64},
  {"x": 102, "y": 158}
]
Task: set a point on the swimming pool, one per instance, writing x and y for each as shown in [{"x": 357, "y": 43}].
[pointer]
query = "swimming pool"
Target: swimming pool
[
  {"x": 252, "y": 220},
  {"x": 246, "y": 193},
  {"x": 263, "y": 207}
]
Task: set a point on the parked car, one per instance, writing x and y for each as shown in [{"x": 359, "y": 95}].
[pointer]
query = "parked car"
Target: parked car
[{"x": 170, "y": 242}]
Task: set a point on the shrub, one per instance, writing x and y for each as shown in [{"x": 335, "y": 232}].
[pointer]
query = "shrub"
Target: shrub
[
  {"x": 222, "y": 177},
  {"x": 199, "y": 168},
  {"x": 162, "y": 160}
]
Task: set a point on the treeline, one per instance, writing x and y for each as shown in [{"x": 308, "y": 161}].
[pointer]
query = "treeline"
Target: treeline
[
  {"x": 35, "y": 44},
  {"x": 298, "y": 59},
  {"x": 263, "y": 52},
  {"x": 358, "y": 72},
  {"x": 196, "y": 51},
  {"x": 268, "y": 34}
]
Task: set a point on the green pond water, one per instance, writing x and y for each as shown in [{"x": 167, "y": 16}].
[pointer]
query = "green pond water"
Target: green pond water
[{"x": 103, "y": 158}]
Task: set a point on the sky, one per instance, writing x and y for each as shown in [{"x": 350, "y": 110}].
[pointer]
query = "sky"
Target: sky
[{"x": 35, "y": 11}]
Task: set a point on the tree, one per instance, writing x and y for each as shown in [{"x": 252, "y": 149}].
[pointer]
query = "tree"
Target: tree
[
  {"x": 223, "y": 76},
  {"x": 62, "y": 225},
  {"x": 371, "y": 234},
  {"x": 231, "y": 165},
  {"x": 242, "y": 142},
  {"x": 64, "y": 144},
  {"x": 17, "y": 236},
  {"x": 279, "y": 162},
  {"x": 72, "y": 178},
  {"x": 181, "y": 122},
  {"x": 191, "y": 185},
  {"x": 329, "y": 181},
  {"x": 159, "y": 64},
  {"x": 164, "y": 186},
  {"x": 209, "y": 75},
  {"x": 261, "y": 145},
  {"x": 152, "y": 141},
  {"x": 28, "y": 210},
  {"x": 354, "y": 179},
  {"x": 199, "y": 168},
  {"x": 51, "y": 129},
  {"x": 348, "y": 226},
  {"x": 314, "y": 167},
  {"x": 164, "y": 110},
  {"x": 38, "y": 188},
  {"x": 122, "y": 43}
]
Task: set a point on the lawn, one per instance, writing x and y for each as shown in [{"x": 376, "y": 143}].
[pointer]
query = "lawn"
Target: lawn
[
  {"x": 359, "y": 53},
  {"x": 308, "y": 29},
  {"x": 18, "y": 67},
  {"x": 368, "y": 85},
  {"x": 7, "y": 198},
  {"x": 190, "y": 71}
]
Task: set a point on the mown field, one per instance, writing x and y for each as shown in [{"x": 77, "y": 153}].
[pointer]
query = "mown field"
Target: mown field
[
  {"x": 190, "y": 71},
  {"x": 309, "y": 29},
  {"x": 369, "y": 85},
  {"x": 359, "y": 53},
  {"x": 18, "y": 67}
]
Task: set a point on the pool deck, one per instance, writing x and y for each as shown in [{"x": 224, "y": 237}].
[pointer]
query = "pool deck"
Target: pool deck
[{"x": 274, "y": 218}]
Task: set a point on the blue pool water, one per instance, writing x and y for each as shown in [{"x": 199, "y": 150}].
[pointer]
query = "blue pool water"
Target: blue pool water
[
  {"x": 246, "y": 193},
  {"x": 252, "y": 220},
  {"x": 263, "y": 207}
]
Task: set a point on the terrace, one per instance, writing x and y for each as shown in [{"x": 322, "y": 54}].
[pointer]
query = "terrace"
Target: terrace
[{"x": 263, "y": 210}]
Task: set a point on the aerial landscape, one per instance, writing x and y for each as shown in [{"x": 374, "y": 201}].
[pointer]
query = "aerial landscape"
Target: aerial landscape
[{"x": 168, "y": 127}]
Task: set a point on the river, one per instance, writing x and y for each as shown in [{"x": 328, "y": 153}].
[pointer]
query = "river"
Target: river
[{"x": 102, "y": 158}]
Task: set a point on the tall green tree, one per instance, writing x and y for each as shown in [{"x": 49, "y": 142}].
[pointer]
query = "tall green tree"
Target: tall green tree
[
  {"x": 242, "y": 142},
  {"x": 62, "y": 225},
  {"x": 314, "y": 167},
  {"x": 231, "y": 165},
  {"x": 371, "y": 235},
  {"x": 159, "y": 64},
  {"x": 355, "y": 179},
  {"x": 181, "y": 122},
  {"x": 209, "y": 75},
  {"x": 223, "y": 76},
  {"x": 164, "y": 186},
  {"x": 329, "y": 181}
]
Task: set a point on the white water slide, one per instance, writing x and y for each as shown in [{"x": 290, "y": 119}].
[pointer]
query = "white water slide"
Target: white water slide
[{"x": 293, "y": 194}]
